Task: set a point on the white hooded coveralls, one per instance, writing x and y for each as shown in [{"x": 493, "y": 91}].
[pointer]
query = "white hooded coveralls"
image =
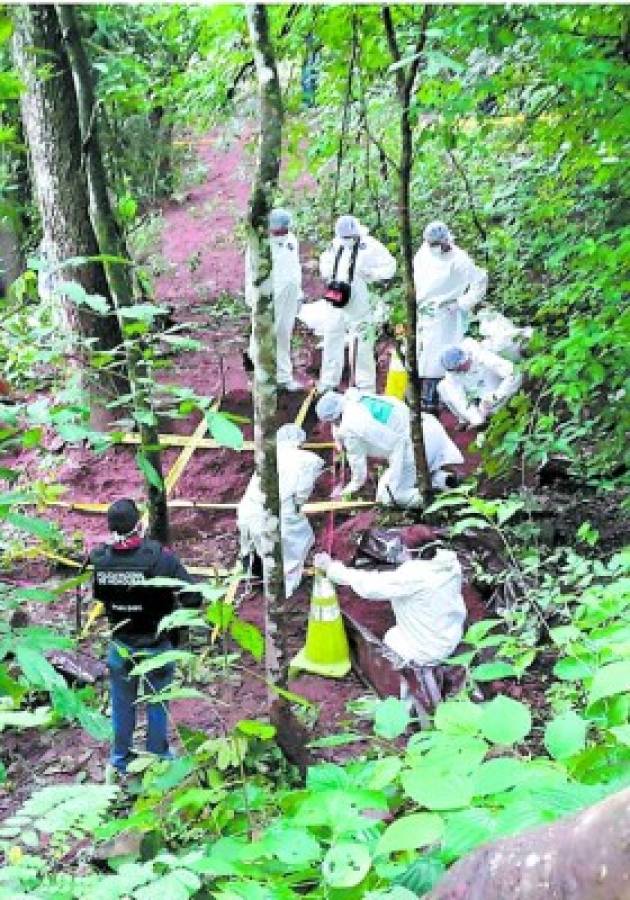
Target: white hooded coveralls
[
  {"x": 426, "y": 596},
  {"x": 379, "y": 427},
  {"x": 374, "y": 263},
  {"x": 500, "y": 335},
  {"x": 489, "y": 383},
  {"x": 287, "y": 293},
  {"x": 298, "y": 470},
  {"x": 448, "y": 286}
]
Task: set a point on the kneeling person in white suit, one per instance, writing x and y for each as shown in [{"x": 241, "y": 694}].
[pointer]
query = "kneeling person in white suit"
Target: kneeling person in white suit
[
  {"x": 426, "y": 596},
  {"x": 379, "y": 427},
  {"x": 477, "y": 382},
  {"x": 298, "y": 471}
]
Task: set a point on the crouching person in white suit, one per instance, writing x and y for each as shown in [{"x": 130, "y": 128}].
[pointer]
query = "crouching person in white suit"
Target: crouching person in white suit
[
  {"x": 426, "y": 597},
  {"x": 369, "y": 425},
  {"x": 298, "y": 471},
  {"x": 477, "y": 382}
]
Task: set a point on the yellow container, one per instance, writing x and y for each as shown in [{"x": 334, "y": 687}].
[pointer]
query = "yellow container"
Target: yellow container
[
  {"x": 326, "y": 650},
  {"x": 396, "y": 384}
]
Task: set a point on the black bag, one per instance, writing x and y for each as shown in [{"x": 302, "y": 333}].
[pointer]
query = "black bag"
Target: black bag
[{"x": 338, "y": 293}]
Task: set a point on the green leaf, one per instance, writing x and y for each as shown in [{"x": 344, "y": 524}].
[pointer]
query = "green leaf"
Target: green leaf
[
  {"x": 38, "y": 718},
  {"x": 6, "y": 29},
  {"x": 505, "y": 721},
  {"x": 142, "y": 312},
  {"x": 225, "y": 432},
  {"x": 47, "y": 531},
  {"x": 346, "y": 864},
  {"x": 161, "y": 659},
  {"x": 434, "y": 789},
  {"x": 467, "y": 829},
  {"x": 248, "y": 637},
  {"x": 493, "y": 670},
  {"x": 471, "y": 523},
  {"x": 565, "y": 735},
  {"x": 458, "y": 717},
  {"x": 77, "y": 293},
  {"x": 294, "y": 847},
  {"x": 149, "y": 472},
  {"x": 337, "y": 740},
  {"x": 411, "y": 832},
  {"x": 610, "y": 680},
  {"x": 252, "y": 728},
  {"x": 37, "y": 670},
  {"x": 479, "y": 630},
  {"x": 383, "y": 772},
  {"x": 497, "y": 775},
  {"x": 391, "y": 718},
  {"x": 621, "y": 733},
  {"x": 572, "y": 669}
]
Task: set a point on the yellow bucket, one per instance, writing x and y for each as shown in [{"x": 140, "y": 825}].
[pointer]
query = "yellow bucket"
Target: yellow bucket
[{"x": 396, "y": 384}]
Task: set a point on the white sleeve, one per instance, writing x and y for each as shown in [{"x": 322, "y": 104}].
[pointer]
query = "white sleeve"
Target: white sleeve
[
  {"x": 357, "y": 459},
  {"x": 375, "y": 263},
  {"x": 372, "y": 585},
  {"x": 453, "y": 395},
  {"x": 298, "y": 271},
  {"x": 327, "y": 263},
  {"x": 477, "y": 285},
  {"x": 503, "y": 369}
]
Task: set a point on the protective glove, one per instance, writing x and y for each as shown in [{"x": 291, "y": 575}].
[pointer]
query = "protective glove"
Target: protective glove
[
  {"x": 322, "y": 562},
  {"x": 351, "y": 488}
]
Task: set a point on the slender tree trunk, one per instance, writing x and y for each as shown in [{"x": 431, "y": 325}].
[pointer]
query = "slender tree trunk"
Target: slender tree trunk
[
  {"x": 119, "y": 275},
  {"x": 405, "y": 82},
  {"x": 51, "y": 129},
  {"x": 265, "y": 387}
]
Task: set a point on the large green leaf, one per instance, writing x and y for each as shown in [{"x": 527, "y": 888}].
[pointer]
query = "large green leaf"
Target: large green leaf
[
  {"x": 466, "y": 830},
  {"x": 47, "y": 531},
  {"x": 498, "y": 775},
  {"x": 458, "y": 717},
  {"x": 565, "y": 735},
  {"x": 434, "y": 789},
  {"x": 493, "y": 670},
  {"x": 505, "y": 721},
  {"x": 37, "y": 670},
  {"x": 149, "y": 471},
  {"x": 391, "y": 718},
  {"x": 248, "y": 637},
  {"x": 610, "y": 680},
  {"x": 410, "y": 832},
  {"x": 225, "y": 432},
  {"x": 346, "y": 864}
]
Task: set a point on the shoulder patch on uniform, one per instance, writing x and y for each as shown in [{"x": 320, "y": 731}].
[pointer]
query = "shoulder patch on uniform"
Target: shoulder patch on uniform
[{"x": 362, "y": 245}]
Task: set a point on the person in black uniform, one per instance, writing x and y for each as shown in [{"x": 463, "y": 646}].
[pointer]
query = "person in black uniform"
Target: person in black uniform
[{"x": 134, "y": 611}]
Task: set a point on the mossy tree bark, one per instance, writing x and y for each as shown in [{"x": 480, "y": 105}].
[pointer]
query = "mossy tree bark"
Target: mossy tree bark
[
  {"x": 265, "y": 386},
  {"x": 119, "y": 273},
  {"x": 51, "y": 129},
  {"x": 405, "y": 84}
]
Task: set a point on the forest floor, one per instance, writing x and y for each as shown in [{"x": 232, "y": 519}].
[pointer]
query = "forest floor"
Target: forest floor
[{"x": 202, "y": 282}]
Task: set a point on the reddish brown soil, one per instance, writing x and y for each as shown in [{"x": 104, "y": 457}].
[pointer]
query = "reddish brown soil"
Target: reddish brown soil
[{"x": 205, "y": 263}]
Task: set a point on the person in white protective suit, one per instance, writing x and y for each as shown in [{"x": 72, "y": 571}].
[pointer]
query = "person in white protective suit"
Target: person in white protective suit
[
  {"x": 373, "y": 262},
  {"x": 477, "y": 382},
  {"x": 287, "y": 293},
  {"x": 379, "y": 427},
  {"x": 426, "y": 597},
  {"x": 298, "y": 470},
  {"x": 500, "y": 335},
  {"x": 448, "y": 286}
]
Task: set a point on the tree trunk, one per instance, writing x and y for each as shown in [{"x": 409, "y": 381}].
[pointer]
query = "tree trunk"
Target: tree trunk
[
  {"x": 51, "y": 129},
  {"x": 584, "y": 857},
  {"x": 119, "y": 275},
  {"x": 405, "y": 82},
  {"x": 265, "y": 387}
]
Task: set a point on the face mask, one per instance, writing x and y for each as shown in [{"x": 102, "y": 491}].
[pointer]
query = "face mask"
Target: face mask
[
  {"x": 436, "y": 251},
  {"x": 348, "y": 242}
]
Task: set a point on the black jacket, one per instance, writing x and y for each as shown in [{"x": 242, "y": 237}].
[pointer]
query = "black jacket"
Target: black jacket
[{"x": 134, "y": 609}]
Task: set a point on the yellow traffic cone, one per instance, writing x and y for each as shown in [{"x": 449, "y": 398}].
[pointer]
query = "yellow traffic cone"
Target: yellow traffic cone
[
  {"x": 396, "y": 384},
  {"x": 326, "y": 650}
]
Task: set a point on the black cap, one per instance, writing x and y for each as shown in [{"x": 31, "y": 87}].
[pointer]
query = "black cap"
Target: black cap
[{"x": 122, "y": 516}]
